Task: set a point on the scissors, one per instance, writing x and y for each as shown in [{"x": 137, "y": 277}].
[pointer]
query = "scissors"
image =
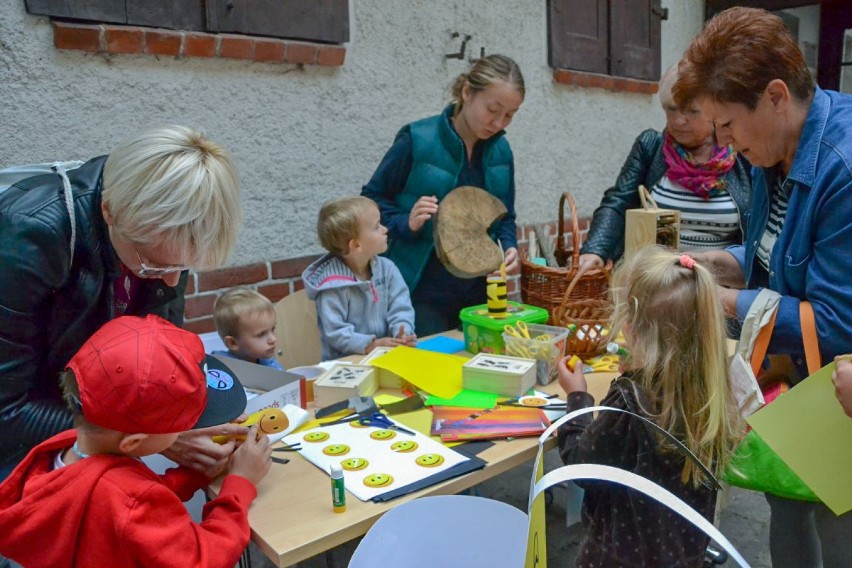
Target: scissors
[
  {"x": 603, "y": 364},
  {"x": 519, "y": 330},
  {"x": 379, "y": 420}
]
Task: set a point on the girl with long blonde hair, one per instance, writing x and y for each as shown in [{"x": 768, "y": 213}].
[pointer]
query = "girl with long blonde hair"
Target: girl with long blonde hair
[{"x": 676, "y": 375}]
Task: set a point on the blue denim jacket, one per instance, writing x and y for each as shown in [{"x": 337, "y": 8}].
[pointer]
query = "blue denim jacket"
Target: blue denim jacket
[{"x": 812, "y": 258}]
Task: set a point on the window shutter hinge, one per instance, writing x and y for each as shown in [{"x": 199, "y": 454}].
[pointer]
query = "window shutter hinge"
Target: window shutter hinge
[{"x": 663, "y": 13}]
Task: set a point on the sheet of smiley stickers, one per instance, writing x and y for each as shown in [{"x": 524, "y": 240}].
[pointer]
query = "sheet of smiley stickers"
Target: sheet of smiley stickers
[{"x": 374, "y": 460}]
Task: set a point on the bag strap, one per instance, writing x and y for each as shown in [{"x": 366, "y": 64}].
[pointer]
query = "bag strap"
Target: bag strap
[
  {"x": 810, "y": 340},
  {"x": 809, "y": 337}
]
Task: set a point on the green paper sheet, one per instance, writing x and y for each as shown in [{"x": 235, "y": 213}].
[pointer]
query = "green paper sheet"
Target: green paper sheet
[
  {"x": 465, "y": 399},
  {"x": 808, "y": 429},
  {"x": 436, "y": 373}
]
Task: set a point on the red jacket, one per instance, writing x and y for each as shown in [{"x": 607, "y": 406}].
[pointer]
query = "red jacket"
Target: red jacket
[{"x": 109, "y": 510}]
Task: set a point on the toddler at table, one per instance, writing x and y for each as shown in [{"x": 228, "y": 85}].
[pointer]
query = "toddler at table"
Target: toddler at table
[
  {"x": 675, "y": 375},
  {"x": 84, "y": 498},
  {"x": 245, "y": 320},
  {"x": 362, "y": 300}
]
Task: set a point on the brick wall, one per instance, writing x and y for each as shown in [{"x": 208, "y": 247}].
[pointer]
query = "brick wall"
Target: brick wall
[
  {"x": 276, "y": 279},
  {"x": 111, "y": 39}
]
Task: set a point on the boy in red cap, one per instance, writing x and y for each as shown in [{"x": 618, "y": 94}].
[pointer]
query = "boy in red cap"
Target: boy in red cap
[{"x": 84, "y": 498}]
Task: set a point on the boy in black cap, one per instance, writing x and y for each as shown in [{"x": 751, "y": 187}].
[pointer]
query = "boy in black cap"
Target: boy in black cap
[{"x": 83, "y": 497}]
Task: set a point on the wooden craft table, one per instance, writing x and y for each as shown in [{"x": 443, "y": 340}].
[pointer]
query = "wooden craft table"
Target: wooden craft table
[{"x": 292, "y": 519}]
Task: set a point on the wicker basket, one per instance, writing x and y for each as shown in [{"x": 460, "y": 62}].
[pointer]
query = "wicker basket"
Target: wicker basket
[{"x": 571, "y": 296}]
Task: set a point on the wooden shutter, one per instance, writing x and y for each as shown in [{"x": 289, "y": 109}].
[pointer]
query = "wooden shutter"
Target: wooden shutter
[
  {"x": 171, "y": 14},
  {"x": 578, "y": 36},
  {"x": 635, "y": 38},
  {"x": 112, "y": 11},
  {"x": 312, "y": 20}
]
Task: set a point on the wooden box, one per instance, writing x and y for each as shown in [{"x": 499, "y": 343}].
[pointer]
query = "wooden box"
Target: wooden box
[
  {"x": 342, "y": 382},
  {"x": 643, "y": 227},
  {"x": 387, "y": 379},
  {"x": 499, "y": 374}
]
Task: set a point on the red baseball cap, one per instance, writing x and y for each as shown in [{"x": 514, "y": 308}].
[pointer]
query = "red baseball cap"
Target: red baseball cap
[{"x": 146, "y": 375}]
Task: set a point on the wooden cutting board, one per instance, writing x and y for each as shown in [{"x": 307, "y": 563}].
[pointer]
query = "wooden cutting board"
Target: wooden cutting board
[{"x": 461, "y": 232}]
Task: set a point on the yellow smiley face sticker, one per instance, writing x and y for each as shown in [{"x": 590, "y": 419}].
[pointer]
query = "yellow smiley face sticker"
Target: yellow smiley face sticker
[
  {"x": 404, "y": 446},
  {"x": 336, "y": 450},
  {"x": 430, "y": 460},
  {"x": 273, "y": 421},
  {"x": 532, "y": 401},
  {"x": 378, "y": 480},
  {"x": 354, "y": 464},
  {"x": 316, "y": 436},
  {"x": 382, "y": 434},
  {"x": 356, "y": 424}
]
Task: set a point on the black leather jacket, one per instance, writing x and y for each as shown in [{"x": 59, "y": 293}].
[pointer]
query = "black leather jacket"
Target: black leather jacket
[
  {"x": 646, "y": 165},
  {"x": 49, "y": 306}
]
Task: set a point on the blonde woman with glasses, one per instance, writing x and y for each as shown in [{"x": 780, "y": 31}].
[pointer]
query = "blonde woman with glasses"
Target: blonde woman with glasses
[{"x": 115, "y": 236}]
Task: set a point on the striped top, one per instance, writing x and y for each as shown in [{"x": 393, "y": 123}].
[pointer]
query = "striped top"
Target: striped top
[
  {"x": 777, "y": 212},
  {"x": 704, "y": 225}
]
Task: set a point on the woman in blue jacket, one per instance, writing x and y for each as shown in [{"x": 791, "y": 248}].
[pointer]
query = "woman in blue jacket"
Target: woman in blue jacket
[
  {"x": 747, "y": 74},
  {"x": 464, "y": 145}
]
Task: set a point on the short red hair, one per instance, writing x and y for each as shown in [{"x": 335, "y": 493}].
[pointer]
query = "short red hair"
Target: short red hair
[{"x": 735, "y": 57}]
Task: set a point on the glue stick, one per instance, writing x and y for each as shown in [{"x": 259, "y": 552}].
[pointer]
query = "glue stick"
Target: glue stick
[{"x": 338, "y": 493}]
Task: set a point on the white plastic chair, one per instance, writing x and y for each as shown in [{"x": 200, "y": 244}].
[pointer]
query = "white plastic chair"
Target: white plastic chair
[
  {"x": 445, "y": 530},
  {"x": 474, "y": 532}
]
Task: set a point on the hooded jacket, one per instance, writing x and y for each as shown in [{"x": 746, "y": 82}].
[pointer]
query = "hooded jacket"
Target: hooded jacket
[
  {"x": 351, "y": 312},
  {"x": 52, "y": 301},
  {"x": 109, "y": 510}
]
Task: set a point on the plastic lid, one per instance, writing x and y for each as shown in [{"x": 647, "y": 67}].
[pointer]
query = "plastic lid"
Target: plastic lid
[{"x": 336, "y": 471}]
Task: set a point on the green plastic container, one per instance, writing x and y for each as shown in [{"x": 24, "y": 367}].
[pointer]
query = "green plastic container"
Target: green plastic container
[{"x": 484, "y": 334}]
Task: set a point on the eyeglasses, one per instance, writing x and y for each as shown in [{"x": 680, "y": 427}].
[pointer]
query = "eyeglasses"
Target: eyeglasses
[{"x": 146, "y": 271}]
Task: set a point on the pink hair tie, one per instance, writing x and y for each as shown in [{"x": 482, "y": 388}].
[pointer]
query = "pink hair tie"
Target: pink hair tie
[{"x": 687, "y": 261}]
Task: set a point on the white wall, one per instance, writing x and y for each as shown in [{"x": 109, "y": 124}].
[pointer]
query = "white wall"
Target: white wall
[{"x": 302, "y": 136}]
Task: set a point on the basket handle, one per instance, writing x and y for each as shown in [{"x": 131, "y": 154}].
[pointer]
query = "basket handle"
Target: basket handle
[
  {"x": 561, "y": 309},
  {"x": 645, "y": 198},
  {"x": 575, "y": 228}
]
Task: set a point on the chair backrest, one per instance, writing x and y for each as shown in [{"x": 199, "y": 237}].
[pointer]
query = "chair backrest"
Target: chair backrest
[
  {"x": 445, "y": 530},
  {"x": 297, "y": 331},
  {"x": 458, "y": 531}
]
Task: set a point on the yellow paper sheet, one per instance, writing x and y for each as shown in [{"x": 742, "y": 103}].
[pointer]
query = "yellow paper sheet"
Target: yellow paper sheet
[
  {"x": 436, "y": 373},
  {"x": 808, "y": 429}
]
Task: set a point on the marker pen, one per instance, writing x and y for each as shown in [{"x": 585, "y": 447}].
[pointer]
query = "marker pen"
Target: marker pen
[{"x": 338, "y": 493}]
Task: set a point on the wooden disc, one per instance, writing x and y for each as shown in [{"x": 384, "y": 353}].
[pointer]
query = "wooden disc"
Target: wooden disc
[{"x": 461, "y": 232}]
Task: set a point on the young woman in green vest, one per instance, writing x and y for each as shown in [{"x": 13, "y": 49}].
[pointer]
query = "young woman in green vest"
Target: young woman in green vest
[{"x": 464, "y": 145}]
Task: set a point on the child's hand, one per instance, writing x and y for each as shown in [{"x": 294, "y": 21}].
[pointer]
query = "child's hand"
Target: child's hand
[
  {"x": 253, "y": 458},
  {"x": 384, "y": 342},
  {"x": 571, "y": 380},
  {"x": 407, "y": 340},
  {"x": 842, "y": 379}
]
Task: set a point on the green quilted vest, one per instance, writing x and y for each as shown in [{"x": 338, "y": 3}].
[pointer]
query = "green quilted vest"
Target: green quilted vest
[{"x": 438, "y": 158}]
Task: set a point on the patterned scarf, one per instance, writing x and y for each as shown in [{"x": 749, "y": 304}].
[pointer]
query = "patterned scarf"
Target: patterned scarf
[{"x": 700, "y": 179}]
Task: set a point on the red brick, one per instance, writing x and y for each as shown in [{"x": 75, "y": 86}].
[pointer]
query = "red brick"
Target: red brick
[
  {"x": 275, "y": 291},
  {"x": 298, "y": 285},
  {"x": 162, "y": 42},
  {"x": 198, "y": 306},
  {"x": 331, "y": 55},
  {"x": 301, "y": 53},
  {"x": 236, "y": 47},
  {"x": 82, "y": 37},
  {"x": 124, "y": 39},
  {"x": 190, "y": 285},
  {"x": 292, "y": 267},
  {"x": 199, "y": 45},
  {"x": 203, "y": 325},
  {"x": 269, "y": 50},
  {"x": 229, "y": 277}
]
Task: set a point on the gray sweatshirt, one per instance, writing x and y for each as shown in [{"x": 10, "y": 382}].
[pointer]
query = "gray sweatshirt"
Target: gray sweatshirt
[{"x": 351, "y": 312}]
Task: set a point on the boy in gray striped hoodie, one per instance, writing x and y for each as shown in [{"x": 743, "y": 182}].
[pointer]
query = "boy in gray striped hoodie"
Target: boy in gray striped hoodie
[{"x": 362, "y": 300}]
